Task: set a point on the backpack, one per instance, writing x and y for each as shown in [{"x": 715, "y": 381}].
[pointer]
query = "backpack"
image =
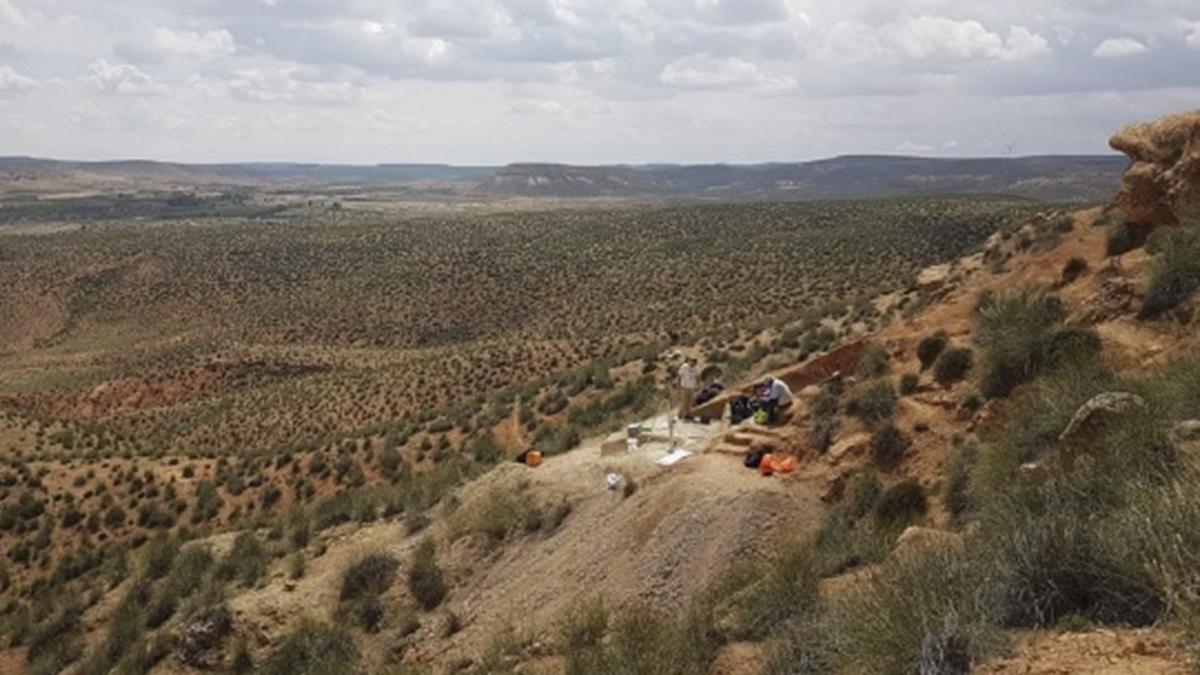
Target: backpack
[{"x": 740, "y": 409}]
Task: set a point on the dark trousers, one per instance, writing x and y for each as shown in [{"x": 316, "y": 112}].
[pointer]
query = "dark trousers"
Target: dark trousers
[{"x": 773, "y": 409}]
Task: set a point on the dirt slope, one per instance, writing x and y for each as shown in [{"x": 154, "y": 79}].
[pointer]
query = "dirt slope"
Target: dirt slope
[{"x": 674, "y": 536}]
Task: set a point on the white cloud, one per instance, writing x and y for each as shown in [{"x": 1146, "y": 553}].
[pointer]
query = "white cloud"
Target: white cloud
[
  {"x": 1193, "y": 37},
  {"x": 930, "y": 37},
  {"x": 707, "y": 72},
  {"x": 292, "y": 85},
  {"x": 121, "y": 78},
  {"x": 194, "y": 43},
  {"x": 1115, "y": 48},
  {"x": 13, "y": 82},
  {"x": 10, "y": 13}
]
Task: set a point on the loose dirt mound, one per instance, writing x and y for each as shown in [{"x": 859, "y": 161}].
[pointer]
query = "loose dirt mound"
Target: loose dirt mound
[
  {"x": 1101, "y": 652},
  {"x": 674, "y": 536}
]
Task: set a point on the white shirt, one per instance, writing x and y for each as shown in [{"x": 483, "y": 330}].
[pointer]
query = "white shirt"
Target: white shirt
[
  {"x": 688, "y": 378},
  {"x": 780, "y": 391}
]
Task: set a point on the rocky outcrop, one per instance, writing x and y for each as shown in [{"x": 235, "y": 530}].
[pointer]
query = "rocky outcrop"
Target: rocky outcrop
[
  {"x": 1100, "y": 406},
  {"x": 1162, "y": 185},
  {"x": 202, "y": 640}
]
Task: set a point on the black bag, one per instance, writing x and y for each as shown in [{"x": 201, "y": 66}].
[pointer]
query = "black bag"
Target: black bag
[
  {"x": 708, "y": 393},
  {"x": 754, "y": 458},
  {"x": 740, "y": 409}
]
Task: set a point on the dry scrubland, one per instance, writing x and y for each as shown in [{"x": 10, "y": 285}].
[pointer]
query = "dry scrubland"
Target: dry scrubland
[{"x": 257, "y": 384}]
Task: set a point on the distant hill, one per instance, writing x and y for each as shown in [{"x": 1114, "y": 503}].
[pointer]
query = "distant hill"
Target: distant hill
[{"x": 1056, "y": 178}]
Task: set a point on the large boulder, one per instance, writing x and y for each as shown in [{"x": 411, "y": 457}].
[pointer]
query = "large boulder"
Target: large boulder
[{"x": 1162, "y": 184}]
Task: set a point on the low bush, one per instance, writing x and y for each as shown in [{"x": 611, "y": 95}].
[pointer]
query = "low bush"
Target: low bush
[
  {"x": 901, "y": 504},
  {"x": 314, "y": 648},
  {"x": 917, "y": 611},
  {"x": 641, "y": 642},
  {"x": 1053, "y": 560},
  {"x": 246, "y": 561},
  {"x": 953, "y": 366},
  {"x": 371, "y": 575},
  {"x": 873, "y": 402},
  {"x": 931, "y": 347},
  {"x": 497, "y": 514},
  {"x": 1016, "y": 333},
  {"x": 1124, "y": 236},
  {"x": 909, "y": 383},
  {"x": 1175, "y": 271},
  {"x": 873, "y": 363},
  {"x": 1073, "y": 269},
  {"x": 425, "y": 576},
  {"x": 888, "y": 447}
]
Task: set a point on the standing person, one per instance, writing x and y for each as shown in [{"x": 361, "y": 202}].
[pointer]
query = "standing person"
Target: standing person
[
  {"x": 775, "y": 396},
  {"x": 688, "y": 384}
]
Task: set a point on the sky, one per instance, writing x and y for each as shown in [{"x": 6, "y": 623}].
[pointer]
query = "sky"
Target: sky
[{"x": 585, "y": 81}]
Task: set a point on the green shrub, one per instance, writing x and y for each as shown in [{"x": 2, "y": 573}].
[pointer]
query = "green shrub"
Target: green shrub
[
  {"x": 497, "y": 514},
  {"x": 371, "y": 575},
  {"x": 1054, "y": 560},
  {"x": 873, "y": 402},
  {"x": 909, "y": 383},
  {"x": 888, "y": 446},
  {"x": 1015, "y": 332},
  {"x": 425, "y": 576},
  {"x": 160, "y": 555},
  {"x": 953, "y": 366},
  {"x": 641, "y": 642},
  {"x": 958, "y": 483},
  {"x": 773, "y": 593},
  {"x": 1073, "y": 269},
  {"x": 208, "y": 502},
  {"x": 246, "y": 561},
  {"x": 873, "y": 363},
  {"x": 901, "y": 504},
  {"x": 1175, "y": 272},
  {"x": 1125, "y": 236},
  {"x": 931, "y": 347},
  {"x": 915, "y": 609},
  {"x": 187, "y": 576},
  {"x": 55, "y": 642},
  {"x": 314, "y": 648}
]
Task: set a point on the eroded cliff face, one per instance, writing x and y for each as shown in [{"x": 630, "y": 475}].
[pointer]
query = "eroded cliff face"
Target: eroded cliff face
[{"x": 1162, "y": 185}]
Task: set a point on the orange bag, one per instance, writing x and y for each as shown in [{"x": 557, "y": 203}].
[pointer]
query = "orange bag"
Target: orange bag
[
  {"x": 533, "y": 458},
  {"x": 767, "y": 466},
  {"x": 771, "y": 464}
]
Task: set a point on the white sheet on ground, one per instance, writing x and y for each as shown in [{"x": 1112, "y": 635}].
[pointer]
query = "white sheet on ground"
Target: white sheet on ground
[{"x": 674, "y": 457}]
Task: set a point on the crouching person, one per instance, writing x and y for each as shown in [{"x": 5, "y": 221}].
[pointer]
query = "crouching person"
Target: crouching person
[{"x": 775, "y": 398}]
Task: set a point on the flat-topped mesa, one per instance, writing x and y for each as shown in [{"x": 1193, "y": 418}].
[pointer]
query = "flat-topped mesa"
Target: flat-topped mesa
[{"x": 1162, "y": 185}]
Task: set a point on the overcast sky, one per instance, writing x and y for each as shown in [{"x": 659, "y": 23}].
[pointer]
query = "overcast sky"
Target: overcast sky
[{"x": 585, "y": 81}]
